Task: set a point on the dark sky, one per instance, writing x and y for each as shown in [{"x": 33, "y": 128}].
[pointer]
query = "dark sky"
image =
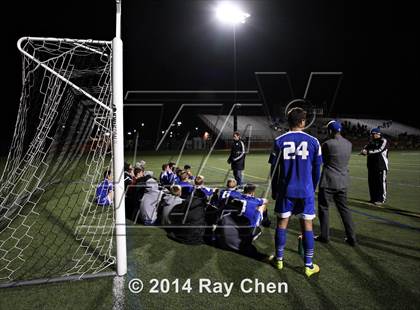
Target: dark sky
[{"x": 177, "y": 44}]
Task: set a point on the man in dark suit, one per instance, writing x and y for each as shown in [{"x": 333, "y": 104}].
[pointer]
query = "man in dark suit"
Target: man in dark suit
[
  {"x": 336, "y": 152},
  {"x": 237, "y": 157}
]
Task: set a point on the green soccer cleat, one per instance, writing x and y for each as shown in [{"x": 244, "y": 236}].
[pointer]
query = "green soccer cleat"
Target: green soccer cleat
[
  {"x": 276, "y": 263},
  {"x": 311, "y": 271}
]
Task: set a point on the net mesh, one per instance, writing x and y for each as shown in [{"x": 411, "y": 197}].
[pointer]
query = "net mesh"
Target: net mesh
[{"x": 61, "y": 146}]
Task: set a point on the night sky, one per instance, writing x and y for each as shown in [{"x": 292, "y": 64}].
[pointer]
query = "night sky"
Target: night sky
[{"x": 178, "y": 44}]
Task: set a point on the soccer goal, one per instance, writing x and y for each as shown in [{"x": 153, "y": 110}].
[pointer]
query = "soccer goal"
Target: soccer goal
[{"x": 68, "y": 132}]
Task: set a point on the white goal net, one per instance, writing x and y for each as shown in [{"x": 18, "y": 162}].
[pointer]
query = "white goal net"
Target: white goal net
[{"x": 50, "y": 224}]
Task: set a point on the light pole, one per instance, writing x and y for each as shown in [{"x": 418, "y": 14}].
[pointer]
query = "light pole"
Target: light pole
[
  {"x": 235, "y": 80},
  {"x": 229, "y": 13}
]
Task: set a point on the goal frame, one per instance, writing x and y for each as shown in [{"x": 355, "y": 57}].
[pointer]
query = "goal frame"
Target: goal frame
[{"x": 117, "y": 147}]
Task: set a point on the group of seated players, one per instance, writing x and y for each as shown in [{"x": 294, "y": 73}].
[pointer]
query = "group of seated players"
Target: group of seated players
[{"x": 191, "y": 212}]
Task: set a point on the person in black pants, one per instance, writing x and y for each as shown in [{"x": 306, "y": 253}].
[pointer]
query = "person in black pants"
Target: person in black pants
[
  {"x": 377, "y": 163},
  {"x": 336, "y": 152},
  {"x": 237, "y": 157}
]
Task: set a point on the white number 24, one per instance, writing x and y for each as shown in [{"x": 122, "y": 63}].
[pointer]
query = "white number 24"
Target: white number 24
[{"x": 290, "y": 151}]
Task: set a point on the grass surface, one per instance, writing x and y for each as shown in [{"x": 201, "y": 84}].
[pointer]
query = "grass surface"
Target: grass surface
[{"x": 382, "y": 272}]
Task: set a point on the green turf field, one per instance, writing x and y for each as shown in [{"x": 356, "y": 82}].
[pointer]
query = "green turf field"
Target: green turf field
[{"x": 381, "y": 273}]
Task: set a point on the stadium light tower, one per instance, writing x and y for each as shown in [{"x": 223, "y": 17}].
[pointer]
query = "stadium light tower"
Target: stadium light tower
[
  {"x": 230, "y": 13},
  {"x": 117, "y": 100}
]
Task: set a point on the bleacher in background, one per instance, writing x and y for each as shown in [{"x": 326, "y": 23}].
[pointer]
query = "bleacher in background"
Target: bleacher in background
[
  {"x": 258, "y": 127},
  {"x": 390, "y": 128},
  {"x": 260, "y": 130}
]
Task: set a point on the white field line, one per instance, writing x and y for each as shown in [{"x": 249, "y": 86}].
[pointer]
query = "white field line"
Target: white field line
[
  {"x": 411, "y": 161},
  {"x": 398, "y": 163},
  {"x": 118, "y": 293},
  {"x": 246, "y": 174},
  {"x": 395, "y": 183},
  {"x": 353, "y": 177},
  {"x": 391, "y": 168}
]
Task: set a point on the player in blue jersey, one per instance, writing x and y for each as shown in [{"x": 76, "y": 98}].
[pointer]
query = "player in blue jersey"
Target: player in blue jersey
[
  {"x": 199, "y": 185},
  {"x": 229, "y": 191},
  {"x": 253, "y": 207},
  {"x": 187, "y": 168},
  {"x": 237, "y": 230},
  {"x": 167, "y": 177},
  {"x": 187, "y": 187},
  {"x": 295, "y": 169},
  {"x": 104, "y": 191}
]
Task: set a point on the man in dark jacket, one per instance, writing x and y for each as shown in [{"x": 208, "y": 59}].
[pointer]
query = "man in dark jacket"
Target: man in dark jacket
[
  {"x": 336, "y": 152},
  {"x": 237, "y": 157},
  {"x": 128, "y": 175},
  {"x": 377, "y": 163}
]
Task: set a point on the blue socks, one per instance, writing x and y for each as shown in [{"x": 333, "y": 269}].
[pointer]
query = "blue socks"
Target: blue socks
[
  {"x": 280, "y": 242},
  {"x": 308, "y": 246}
]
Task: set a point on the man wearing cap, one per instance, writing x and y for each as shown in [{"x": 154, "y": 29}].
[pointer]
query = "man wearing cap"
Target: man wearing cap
[
  {"x": 336, "y": 152},
  {"x": 377, "y": 163}
]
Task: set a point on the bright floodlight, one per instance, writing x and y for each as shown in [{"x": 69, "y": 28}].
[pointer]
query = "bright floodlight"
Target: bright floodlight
[{"x": 229, "y": 13}]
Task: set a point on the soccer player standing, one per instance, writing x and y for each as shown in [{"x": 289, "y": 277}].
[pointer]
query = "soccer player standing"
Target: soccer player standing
[
  {"x": 377, "y": 163},
  {"x": 295, "y": 169}
]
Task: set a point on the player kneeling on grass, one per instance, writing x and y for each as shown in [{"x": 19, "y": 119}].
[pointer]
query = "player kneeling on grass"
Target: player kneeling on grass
[
  {"x": 231, "y": 191},
  {"x": 104, "y": 193},
  {"x": 149, "y": 203},
  {"x": 187, "y": 168},
  {"x": 199, "y": 185},
  {"x": 134, "y": 193},
  {"x": 218, "y": 201},
  {"x": 169, "y": 201},
  {"x": 188, "y": 220},
  {"x": 187, "y": 187},
  {"x": 239, "y": 223},
  {"x": 166, "y": 177},
  {"x": 226, "y": 193},
  {"x": 295, "y": 169},
  {"x": 128, "y": 174}
]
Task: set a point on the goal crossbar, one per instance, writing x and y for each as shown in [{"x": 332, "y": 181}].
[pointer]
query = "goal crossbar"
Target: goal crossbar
[{"x": 19, "y": 45}]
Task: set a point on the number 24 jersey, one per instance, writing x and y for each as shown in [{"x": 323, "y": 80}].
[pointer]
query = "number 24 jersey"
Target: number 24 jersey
[{"x": 295, "y": 161}]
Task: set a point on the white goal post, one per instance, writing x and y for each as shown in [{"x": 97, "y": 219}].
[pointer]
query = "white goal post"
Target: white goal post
[{"x": 118, "y": 100}]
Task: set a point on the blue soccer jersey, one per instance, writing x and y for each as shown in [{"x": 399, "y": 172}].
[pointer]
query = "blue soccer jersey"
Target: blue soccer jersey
[
  {"x": 295, "y": 164},
  {"x": 250, "y": 209},
  {"x": 206, "y": 190},
  {"x": 167, "y": 178},
  {"x": 102, "y": 192},
  {"x": 187, "y": 188},
  {"x": 224, "y": 195}
]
